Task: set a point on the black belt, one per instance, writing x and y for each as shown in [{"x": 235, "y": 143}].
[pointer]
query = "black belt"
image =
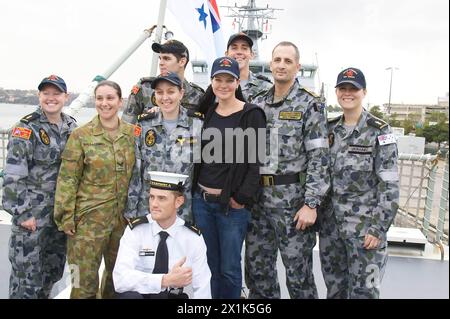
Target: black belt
[
  {"x": 271, "y": 180},
  {"x": 208, "y": 197}
]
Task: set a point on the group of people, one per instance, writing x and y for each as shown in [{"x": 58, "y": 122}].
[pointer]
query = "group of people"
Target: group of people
[{"x": 195, "y": 174}]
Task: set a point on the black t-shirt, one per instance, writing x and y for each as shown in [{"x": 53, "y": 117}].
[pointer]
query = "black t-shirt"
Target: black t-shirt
[{"x": 215, "y": 166}]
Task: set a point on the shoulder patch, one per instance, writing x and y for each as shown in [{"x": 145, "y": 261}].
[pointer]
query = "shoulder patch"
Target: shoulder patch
[
  {"x": 334, "y": 119},
  {"x": 21, "y": 132},
  {"x": 263, "y": 78},
  {"x": 135, "y": 90},
  {"x": 197, "y": 87},
  {"x": 309, "y": 92},
  {"x": 146, "y": 116},
  {"x": 387, "y": 139},
  {"x": 377, "y": 123},
  {"x": 30, "y": 117},
  {"x": 193, "y": 228},
  {"x": 134, "y": 222},
  {"x": 137, "y": 130},
  {"x": 199, "y": 115}
]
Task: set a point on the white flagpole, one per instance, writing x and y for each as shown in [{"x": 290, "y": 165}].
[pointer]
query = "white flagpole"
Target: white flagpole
[{"x": 158, "y": 36}]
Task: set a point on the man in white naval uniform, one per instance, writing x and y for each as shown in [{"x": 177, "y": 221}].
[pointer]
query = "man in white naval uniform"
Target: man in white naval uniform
[{"x": 160, "y": 254}]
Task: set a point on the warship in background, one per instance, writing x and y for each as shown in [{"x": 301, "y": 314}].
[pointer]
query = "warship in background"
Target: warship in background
[{"x": 254, "y": 22}]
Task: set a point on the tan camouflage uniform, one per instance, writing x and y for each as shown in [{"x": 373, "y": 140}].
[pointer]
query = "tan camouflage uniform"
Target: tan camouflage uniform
[
  {"x": 32, "y": 164},
  {"x": 91, "y": 196}
]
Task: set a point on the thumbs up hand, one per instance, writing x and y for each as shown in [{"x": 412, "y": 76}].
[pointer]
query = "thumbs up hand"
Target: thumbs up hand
[{"x": 178, "y": 276}]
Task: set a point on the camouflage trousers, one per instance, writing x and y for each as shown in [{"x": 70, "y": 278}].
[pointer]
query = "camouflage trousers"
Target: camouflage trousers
[
  {"x": 37, "y": 260},
  {"x": 349, "y": 270},
  {"x": 272, "y": 230},
  {"x": 96, "y": 236}
]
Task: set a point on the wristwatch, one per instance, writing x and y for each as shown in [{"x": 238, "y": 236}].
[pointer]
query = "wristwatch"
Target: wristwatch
[{"x": 312, "y": 203}]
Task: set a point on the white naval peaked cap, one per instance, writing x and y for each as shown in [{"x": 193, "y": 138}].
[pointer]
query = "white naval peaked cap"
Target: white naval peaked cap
[{"x": 167, "y": 181}]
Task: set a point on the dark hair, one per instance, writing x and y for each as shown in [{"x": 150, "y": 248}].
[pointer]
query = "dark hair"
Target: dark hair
[
  {"x": 288, "y": 44},
  {"x": 112, "y": 84},
  {"x": 209, "y": 99}
]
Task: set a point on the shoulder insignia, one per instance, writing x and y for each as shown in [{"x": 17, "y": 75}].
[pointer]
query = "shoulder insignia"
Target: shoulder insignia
[
  {"x": 193, "y": 228},
  {"x": 263, "y": 77},
  {"x": 74, "y": 119},
  {"x": 199, "y": 115},
  {"x": 376, "y": 122},
  {"x": 135, "y": 90},
  {"x": 137, "y": 130},
  {"x": 154, "y": 99},
  {"x": 21, "y": 132},
  {"x": 146, "y": 116},
  {"x": 263, "y": 92},
  {"x": 134, "y": 222},
  {"x": 30, "y": 117},
  {"x": 197, "y": 87},
  {"x": 44, "y": 136},
  {"x": 334, "y": 119},
  {"x": 310, "y": 92}
]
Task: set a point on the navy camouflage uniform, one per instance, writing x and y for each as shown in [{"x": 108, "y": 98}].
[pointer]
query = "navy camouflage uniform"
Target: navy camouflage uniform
[
  {"x": 142, "y": 99},
  {"x": 255, "y": 85},
  {"x": 156, "y": 150},
  {"x": 298, "y": 125},
  {"x": 363, "y": 200},
  {"x": 32, "y": 164}
]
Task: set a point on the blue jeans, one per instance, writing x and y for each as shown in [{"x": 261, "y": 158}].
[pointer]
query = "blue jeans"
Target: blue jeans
[{"x": 224, "y": 233}]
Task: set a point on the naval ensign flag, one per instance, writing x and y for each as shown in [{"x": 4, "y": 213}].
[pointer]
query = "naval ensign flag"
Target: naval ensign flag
[{"x": 201, "y": 21}]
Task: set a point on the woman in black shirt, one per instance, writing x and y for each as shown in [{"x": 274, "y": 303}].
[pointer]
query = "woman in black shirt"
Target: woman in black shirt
[{"x": 227, "y": 180}]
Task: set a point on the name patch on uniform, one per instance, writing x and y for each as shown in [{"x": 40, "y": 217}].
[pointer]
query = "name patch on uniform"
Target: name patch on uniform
[
  {"x": 360, "y": 149},
  {"x": 21, "y": 132},
  {"x": 150, "y": 138},
  {"x": 146, "y": 252},
  {"x": 44, "y": 136},
  {"x": 291, "y": 116},
  {"x": 386, "y": 139}
]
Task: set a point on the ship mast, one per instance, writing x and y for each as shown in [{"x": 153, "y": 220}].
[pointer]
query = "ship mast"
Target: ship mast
[{"x": 253, "y": 21}]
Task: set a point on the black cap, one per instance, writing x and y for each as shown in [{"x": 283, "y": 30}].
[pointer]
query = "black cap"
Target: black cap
[
  {"x": 171, "y": 46},
  {"x": 171, "y": 77},
  {"x": 352, "y": 76},
  {"x": 54, "y": 80},
  {"x": 225, "y": 65},
  {"x": 240, "y": 36}
]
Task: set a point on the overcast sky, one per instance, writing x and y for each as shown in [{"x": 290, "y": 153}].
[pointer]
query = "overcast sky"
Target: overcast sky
[{"x": 80, "y": 39}]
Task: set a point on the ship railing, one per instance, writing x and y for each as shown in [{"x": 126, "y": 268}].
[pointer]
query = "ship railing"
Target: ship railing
[
  {"x": 419, "y": 207},
  {"x": 419, "y": 193}
]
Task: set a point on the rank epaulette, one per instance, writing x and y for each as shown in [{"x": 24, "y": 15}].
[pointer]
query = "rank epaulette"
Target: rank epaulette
[
  {"x": 30, "y": 117},
  {"x": 334, "y": 119},
  {"x": 146, "y": 79},
  {"x": 376, "y": 122},
  {"x": 199, "y": 115},
  {"x": 195, "y": 86},
  {"x": 193, "y": 228},
  {"x": 310, "y": 92},
  {"x": 134, "y": 222},
  {"x": 263, "y": 78},
  {"x": 146, "y": 116}
]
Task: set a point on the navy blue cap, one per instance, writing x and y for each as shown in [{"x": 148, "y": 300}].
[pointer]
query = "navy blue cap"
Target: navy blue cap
[
  {"x": 225, "y": 65},
  {"x": 54, "y": 80},
  {"x": 171, "y": 46},
  {"x": 240, "y": 36},
  {"x": 171, "y": 77},
  {"x": 352, "y": 76}
]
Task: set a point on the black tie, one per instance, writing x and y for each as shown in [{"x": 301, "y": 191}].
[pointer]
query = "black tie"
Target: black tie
[{"x": 162, "y": 255}]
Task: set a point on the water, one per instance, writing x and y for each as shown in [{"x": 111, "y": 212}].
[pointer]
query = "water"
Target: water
[{"x": 12, "y": 113}]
